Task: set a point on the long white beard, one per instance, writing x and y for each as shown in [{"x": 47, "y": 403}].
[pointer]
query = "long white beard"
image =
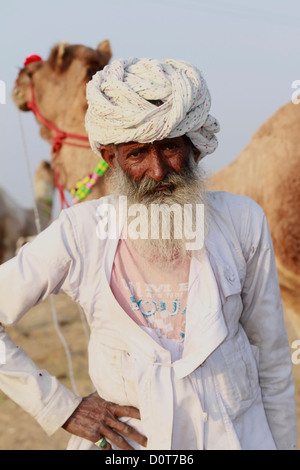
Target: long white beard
[{"x": 187, "y": 190}]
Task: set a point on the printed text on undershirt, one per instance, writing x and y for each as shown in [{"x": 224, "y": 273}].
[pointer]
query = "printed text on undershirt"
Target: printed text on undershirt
[{"x": 153, "y": 297}]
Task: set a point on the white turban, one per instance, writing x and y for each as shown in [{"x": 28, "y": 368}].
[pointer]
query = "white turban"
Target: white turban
[{"x": 119, "y": 110}]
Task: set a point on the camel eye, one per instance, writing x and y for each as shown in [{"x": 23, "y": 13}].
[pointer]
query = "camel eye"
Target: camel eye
[{"x": 91, "y": 71}]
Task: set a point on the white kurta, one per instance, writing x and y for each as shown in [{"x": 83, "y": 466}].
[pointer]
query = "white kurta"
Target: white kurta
[{"x": 234, "y": 379}]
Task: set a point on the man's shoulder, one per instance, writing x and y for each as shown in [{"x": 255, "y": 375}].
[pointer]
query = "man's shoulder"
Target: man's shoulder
[
  {"x": 84, "y": 218},
  {"x": 233, "y": 204},
  {"x": 88, "y": 210},
  {"x": 239, "y": 217}
]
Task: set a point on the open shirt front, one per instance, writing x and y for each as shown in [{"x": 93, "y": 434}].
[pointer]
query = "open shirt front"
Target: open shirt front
[{"x": 231, "y": 389}]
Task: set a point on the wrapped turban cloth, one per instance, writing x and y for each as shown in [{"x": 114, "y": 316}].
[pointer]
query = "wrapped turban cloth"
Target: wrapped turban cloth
[{"x": 120, "y": 108}]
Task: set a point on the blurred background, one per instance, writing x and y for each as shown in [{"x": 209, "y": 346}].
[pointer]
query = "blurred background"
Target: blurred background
[{"x": 249, "y": 53}]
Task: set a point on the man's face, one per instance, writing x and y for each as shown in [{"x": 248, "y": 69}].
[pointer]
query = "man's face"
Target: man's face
[
  {"x": 152, "y": 161},
  {"x": 164, "y": 173}
]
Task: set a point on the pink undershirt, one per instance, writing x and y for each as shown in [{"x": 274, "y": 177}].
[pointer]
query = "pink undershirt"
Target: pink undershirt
[{"x": 154, "y": 298}]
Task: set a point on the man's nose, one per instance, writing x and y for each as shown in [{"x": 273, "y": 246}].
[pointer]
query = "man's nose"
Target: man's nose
[{"x": 158, "y": 167}]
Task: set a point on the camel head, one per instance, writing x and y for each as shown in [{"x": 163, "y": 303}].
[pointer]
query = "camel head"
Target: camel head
[
  {"x": 59, "y": 87},
  {"x": 59, "y": 83}
]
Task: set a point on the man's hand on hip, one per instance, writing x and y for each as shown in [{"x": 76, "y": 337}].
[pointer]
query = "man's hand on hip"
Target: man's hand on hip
[{"x": 95, "y": 418}]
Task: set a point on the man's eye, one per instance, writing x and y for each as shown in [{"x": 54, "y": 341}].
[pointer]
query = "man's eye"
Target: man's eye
[
  {"x": 170, "y": 147},
  {"x": 136, "y": 154},
  {"x": 91, "y": 71}
]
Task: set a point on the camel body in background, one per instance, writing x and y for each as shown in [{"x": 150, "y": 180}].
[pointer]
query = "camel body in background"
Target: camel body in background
[
  {"x": 59, "y": 86},
  {"x": 18, "y": 223},
  {"x": 267, "y": 170}
]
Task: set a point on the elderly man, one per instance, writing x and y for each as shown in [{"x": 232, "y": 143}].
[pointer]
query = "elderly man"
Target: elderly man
[{"x": 188, "y": 347}]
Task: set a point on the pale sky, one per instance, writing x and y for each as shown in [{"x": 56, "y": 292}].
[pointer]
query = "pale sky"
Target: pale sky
[{"x": 248, "y": 51}]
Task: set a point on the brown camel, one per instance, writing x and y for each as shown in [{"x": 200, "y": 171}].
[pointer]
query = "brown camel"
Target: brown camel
[
  {"x": 267, "y": 170},
  {"x": 59, "y": 85},
  {"x": 17, "y": 222}
]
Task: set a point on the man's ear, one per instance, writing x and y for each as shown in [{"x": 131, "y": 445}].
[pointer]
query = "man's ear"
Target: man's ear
[
  {"x": 108, "y": 154},
  {"x": 196, "y": 153}
]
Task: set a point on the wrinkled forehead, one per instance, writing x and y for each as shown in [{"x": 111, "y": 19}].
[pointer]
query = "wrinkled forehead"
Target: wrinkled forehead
[{"x": 180, "y": 140}]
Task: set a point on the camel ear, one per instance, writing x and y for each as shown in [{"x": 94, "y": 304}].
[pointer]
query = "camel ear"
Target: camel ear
[
  {"x": 61, "y": 51},
  {"x": 105, "y": 51},
  {"x": 58, "y": 55}
]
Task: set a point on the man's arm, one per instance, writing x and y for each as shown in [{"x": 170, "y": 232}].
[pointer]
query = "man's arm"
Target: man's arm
[
  {"x": 46, "y": 266},
  {"x": 52, "y": 264},
  {"x": 263, "y": 322}
]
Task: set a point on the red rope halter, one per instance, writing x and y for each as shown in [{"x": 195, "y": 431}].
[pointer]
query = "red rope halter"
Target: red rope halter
[{"x": 58, "y": 140}]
